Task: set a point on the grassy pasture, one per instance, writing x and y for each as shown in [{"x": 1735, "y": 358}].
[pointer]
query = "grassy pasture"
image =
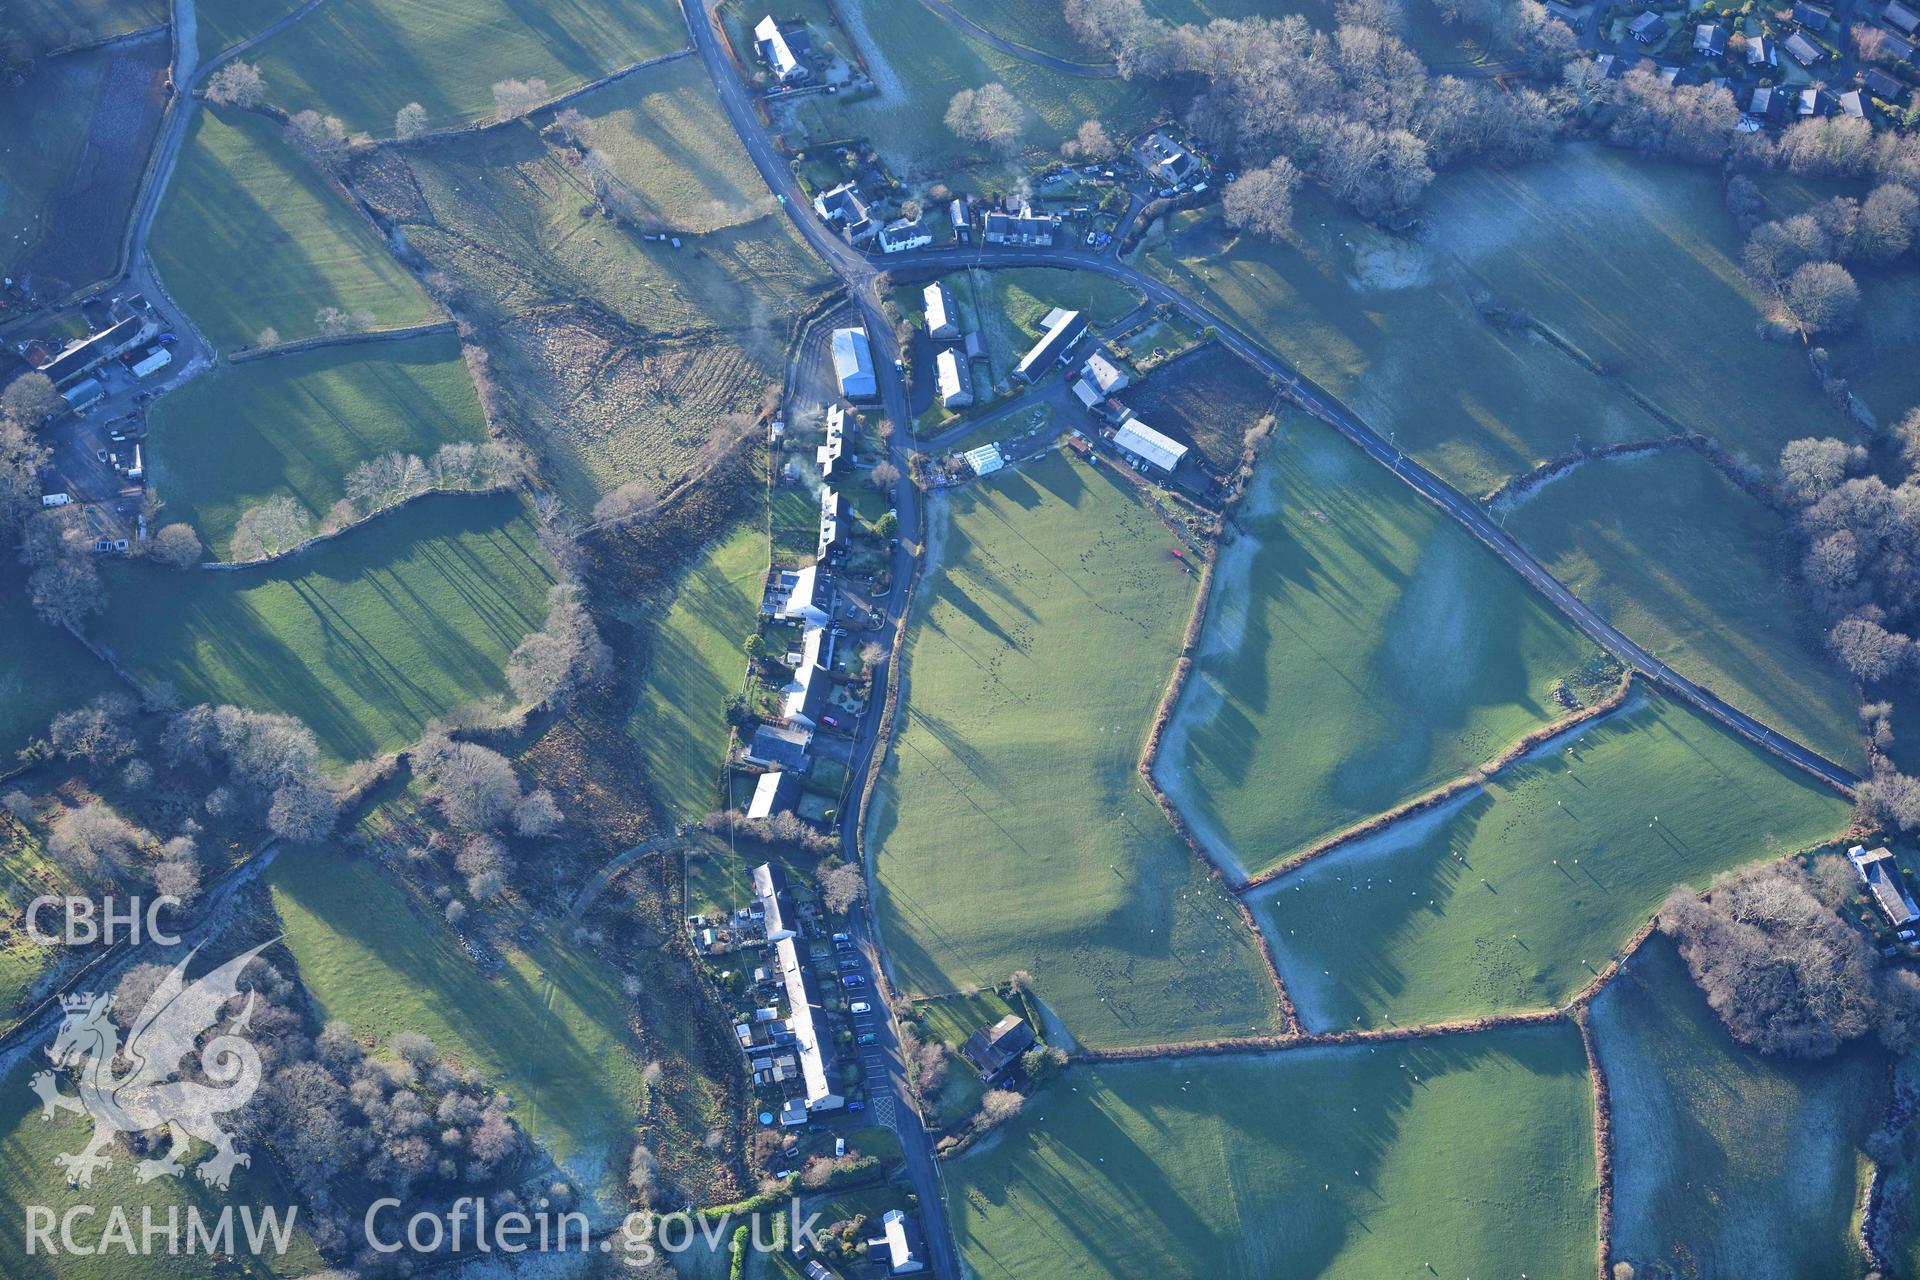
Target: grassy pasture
[
  {"x": 363, "y": 60},
  {"x": 1873, "y": 356},
  {"x": 1011, "y": 829},
  {"x": 43, "y": 670},
  {"x": 1580, "y": 243},
  {"x": 1406, "y": 926},
  {"x": 221, "y": 24},
  {"x": 1672, "y": 553},
  {"x": 1727, "y": 1162},
  {"x": 29, "y": 1176},
  {"x": 77, "y": 133},
  {"x": 249, "y": 237},
  {"x": 297, "y": 424},
  {"x": 918, "y": 62},
  {"x": 365, "y": 638},
  {"x": 550, "y": 1029},
  {"x": 694, "y": 665},
  {"x": 1472, "y": 1154},
  {"x": 25, "y": 872},
  {"x": 42, "y": 25},
  {"x": 1360, "y": 650}
]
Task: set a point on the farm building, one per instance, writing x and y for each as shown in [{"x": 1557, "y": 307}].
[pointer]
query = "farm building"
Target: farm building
[
  {"x": 1141, "y": 442},
  {"x": 1803, "y": 51},
  {"x": 1881, "y": 874},
  {"x": 992, "y": 1050},
  {"x": 811, "y": 1041},
  {"x": 806, "y": 695},
  {"x": 774, "y": 793},
  {"x": 1812, "y": 16},
  {"x": 899, "y": 1246},
  {"x": 904, "y": 233},
  {"x": 1058, "y": 333},
  {"x": 833, "y": 522},
  {"x": 772, "y": 747},
  {"x": 802, "y": 595},
  {"x": 830, "y": 451},
  {"x": 83, "y": 393},
  {"x": 956, "y": 382},
  {"x": 943, "y": 319},
  {"x": 975, "y": 348},
  {"x": 985, "y": 460},
  {"x": 1023, "y": 228},
  {"x": 133, "y": 324},
  {"x": 1900, "y": 18},
  {"x": 844, "y": 206},
  {"x": 1648, "y": 28},
  {"x": 853, "y": 364},
  {"x": 1104, "y": 374},
  {"x": 1710, "y": 39},
  {"x": 773, "y": 46},
  {"x": 155, "y": 359}
]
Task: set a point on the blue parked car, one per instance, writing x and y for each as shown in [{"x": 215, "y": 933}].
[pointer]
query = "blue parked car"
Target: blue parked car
[{"x": 855, "y": 980}]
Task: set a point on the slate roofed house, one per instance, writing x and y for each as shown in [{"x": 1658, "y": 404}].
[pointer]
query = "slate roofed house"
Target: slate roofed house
[
  {"x": 1710, "y": 38},
  {"x": 833, "y": 522},
  {"x": 776, "y": 748},
  {"x": 1900, "y": 18},
  {"x": 1853, "y": 104},
  {"x": 1172, "y": 164},
  {"x": 774, "y": 793},
  {"x": 1648, "y": 28},
  {"x": 943, "y": 319},
  {"x": 1802, "y": 50},
  {"x": 1765, "y": 104},
  {"x": 1608, "y": 65},
  {"x": 904, "y": 233},
  {"x": 993, "y": 1049},
  {"x": 1882, "y": 86},
  {"x": 1809, "y": 103},
  {"x": 1024, "y": 228},
  {"x": 1881, "y": 874},
  {"x": 817, "y": 1270},
  {"x": 844, "y": 206},
  {"x": 1896, "y": 48},
  {"x": 779, "y": 54},
  {"x": 828, "y": 454},
  {"x": 1104, "y": 374},
  {"x": 804, "y": 595},
  {"x": 1058, "y": 333},
  {"x": 1811, "y": 16},
  {"x": 1670, "y": 76},
  {"x": 1762, "y": 52},
  {"x": 806, "y": 696},
  {"x": 1138, "y": 440},
  {"x": 899, "y": 1246},
  {"x": 955, "y": 379},
  {"x": 1563, "y": 12},
  {"x": 853, "y": 364}
]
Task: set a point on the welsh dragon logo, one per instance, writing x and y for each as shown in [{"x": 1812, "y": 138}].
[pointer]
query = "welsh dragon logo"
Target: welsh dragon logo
[{"x": 146, "y": 1096}]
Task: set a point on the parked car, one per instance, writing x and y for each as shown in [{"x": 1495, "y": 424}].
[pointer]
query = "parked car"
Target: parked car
[
  {"x": 830, "y": 722},
  {"x": 861, "y": 1006},
  {"x": 854, "y": 980},
  {"x": 856, "y": 1106},
  {"x": 867, "y": 1037},
  {"x": 842, "y": 939}
]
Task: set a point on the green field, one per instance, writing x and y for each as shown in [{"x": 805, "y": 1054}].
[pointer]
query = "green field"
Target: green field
[
  {"x": 43, "y": 670},
  {"x": 1395, "y": 326},
  {"x": 365, "y": 638},
  {"x": 55, "y": 24},
  {"x": 1672, "y": 553},
  {"x": 550, "y": 1029},
  {"x": 694, "y": 665},
  {"x": 1360, "y": 650},
  {"x": 1872, "y": 356},
  {"x": 250, "y": 237},
  {"x": 1467, "y": 1156},
  {"x": 29, "y": 1176},
  {"x": 1727, "y": 1162},
  {"x": 1011, "y": 829},
  {"x": 25, "y": 873},
  {"x": 918, "y": 62},
  {"x": 297, "y": 424},
  {"x": 1513, "y": 896},
  {"x": 221, "y": 24},
  {"x": 363, "y": 60}
]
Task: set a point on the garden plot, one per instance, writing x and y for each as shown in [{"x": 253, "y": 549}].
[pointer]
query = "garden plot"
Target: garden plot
[
  {"x": 1010, "y": 828},
  {"x": 1210, "y": 396},
  {"x": 1429, "y": 339},
  {"x": 1672, "y": 553},
  {"x": 363, "y": 60},
  {"x": 1726, "y": 1162},
  {"x": 297, "y": 424},
  {"x": 366, "y": 637},
  {"x": 251, "y": 238},
  {"x": 1464, "y": 1156},
  {"x": 1516, "y": 894},
  {"x": 1359, "y": 651}
]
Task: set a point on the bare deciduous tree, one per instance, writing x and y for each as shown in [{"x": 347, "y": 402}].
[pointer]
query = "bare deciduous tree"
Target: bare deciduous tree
[
  {"x": 515, "y": 98},
  {"x": 988, "y": 114},
  {"x": 276, "y": 525},
  {"x": 236, "y": 84},
  {"x": 410, "y": 121},
  {"x": 177, "y": 545},
  {"x": 1261, "y": 200},
  {"x": 31, "y": 399}
]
